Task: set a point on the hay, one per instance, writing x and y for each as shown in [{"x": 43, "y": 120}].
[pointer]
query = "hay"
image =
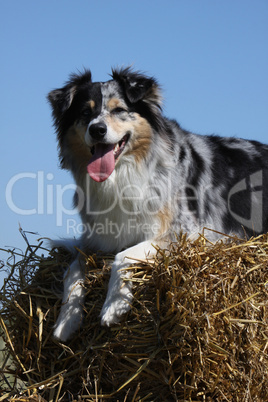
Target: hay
[{"x": 197, "y": 330}]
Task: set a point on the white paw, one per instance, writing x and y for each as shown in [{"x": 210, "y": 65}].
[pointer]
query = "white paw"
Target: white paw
[
  {"x": 112, "y": 311},
  {"x": 68, "y": 322},
  {"x": 119, "y": 296}
]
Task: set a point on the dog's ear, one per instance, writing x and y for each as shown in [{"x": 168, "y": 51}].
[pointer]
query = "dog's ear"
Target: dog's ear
[
  {"x": 138, "y": 87},
  {"x": 61, "y": 99}
]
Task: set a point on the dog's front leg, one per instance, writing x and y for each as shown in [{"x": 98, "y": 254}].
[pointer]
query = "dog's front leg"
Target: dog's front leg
[
  {"x": 119, "y": 296},
  {"x": 71, "y": 312}
]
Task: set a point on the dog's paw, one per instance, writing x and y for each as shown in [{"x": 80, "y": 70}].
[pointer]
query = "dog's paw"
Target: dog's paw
[
  {"x": 112, "y": 312},
  {"x": 117, "y": 303},
  {"x": 119, "y": 296},
  {"x": 68, "y": 322}
]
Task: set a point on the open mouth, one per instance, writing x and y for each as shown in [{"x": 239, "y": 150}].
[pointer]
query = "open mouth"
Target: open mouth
[
  {"x": 120, "y": 146},
  {"x": 104, "y": 157},
  {"x": 117, "y": 148}
]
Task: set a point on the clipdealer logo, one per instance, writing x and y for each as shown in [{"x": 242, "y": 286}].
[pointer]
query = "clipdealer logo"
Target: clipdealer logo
[{"x": 50, "y": 199}]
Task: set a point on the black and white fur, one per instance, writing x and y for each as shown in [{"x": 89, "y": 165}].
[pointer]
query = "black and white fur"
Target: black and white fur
[{"x": 166, "y": 180}]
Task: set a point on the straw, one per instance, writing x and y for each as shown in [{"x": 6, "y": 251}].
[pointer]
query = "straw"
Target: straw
[{"x": 197, "y": 331}]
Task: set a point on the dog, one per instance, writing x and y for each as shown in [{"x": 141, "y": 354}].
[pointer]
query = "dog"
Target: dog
[{"x": 141, "y": 179}]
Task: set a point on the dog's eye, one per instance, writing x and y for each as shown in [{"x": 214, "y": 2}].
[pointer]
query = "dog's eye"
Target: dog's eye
[
  {"x": 86, "y": 112},
  {"x": 118, "y": 110}
]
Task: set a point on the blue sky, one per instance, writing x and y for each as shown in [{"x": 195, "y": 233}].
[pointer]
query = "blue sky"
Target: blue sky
[{"x": 210, "y": 56}]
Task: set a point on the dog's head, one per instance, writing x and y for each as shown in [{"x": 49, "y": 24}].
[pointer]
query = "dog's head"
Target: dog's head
[{"x": 98, "y": 123}]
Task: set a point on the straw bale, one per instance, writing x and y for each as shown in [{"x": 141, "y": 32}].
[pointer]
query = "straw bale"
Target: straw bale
[{"x": 197, "y": 330}]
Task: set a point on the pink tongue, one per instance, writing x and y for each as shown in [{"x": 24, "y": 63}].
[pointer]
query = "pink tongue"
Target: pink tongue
[{"x": 102, "y": 163}]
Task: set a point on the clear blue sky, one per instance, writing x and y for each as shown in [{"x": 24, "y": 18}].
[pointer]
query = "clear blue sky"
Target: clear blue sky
[{"x": 210, "y": 56}]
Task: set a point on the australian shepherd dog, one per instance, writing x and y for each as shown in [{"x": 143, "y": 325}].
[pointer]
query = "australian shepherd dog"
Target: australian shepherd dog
[{"x": 141, "y": 179}]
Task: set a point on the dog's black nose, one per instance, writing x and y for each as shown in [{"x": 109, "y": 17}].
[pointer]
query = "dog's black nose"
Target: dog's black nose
[{"x": 98, "y": 131}]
